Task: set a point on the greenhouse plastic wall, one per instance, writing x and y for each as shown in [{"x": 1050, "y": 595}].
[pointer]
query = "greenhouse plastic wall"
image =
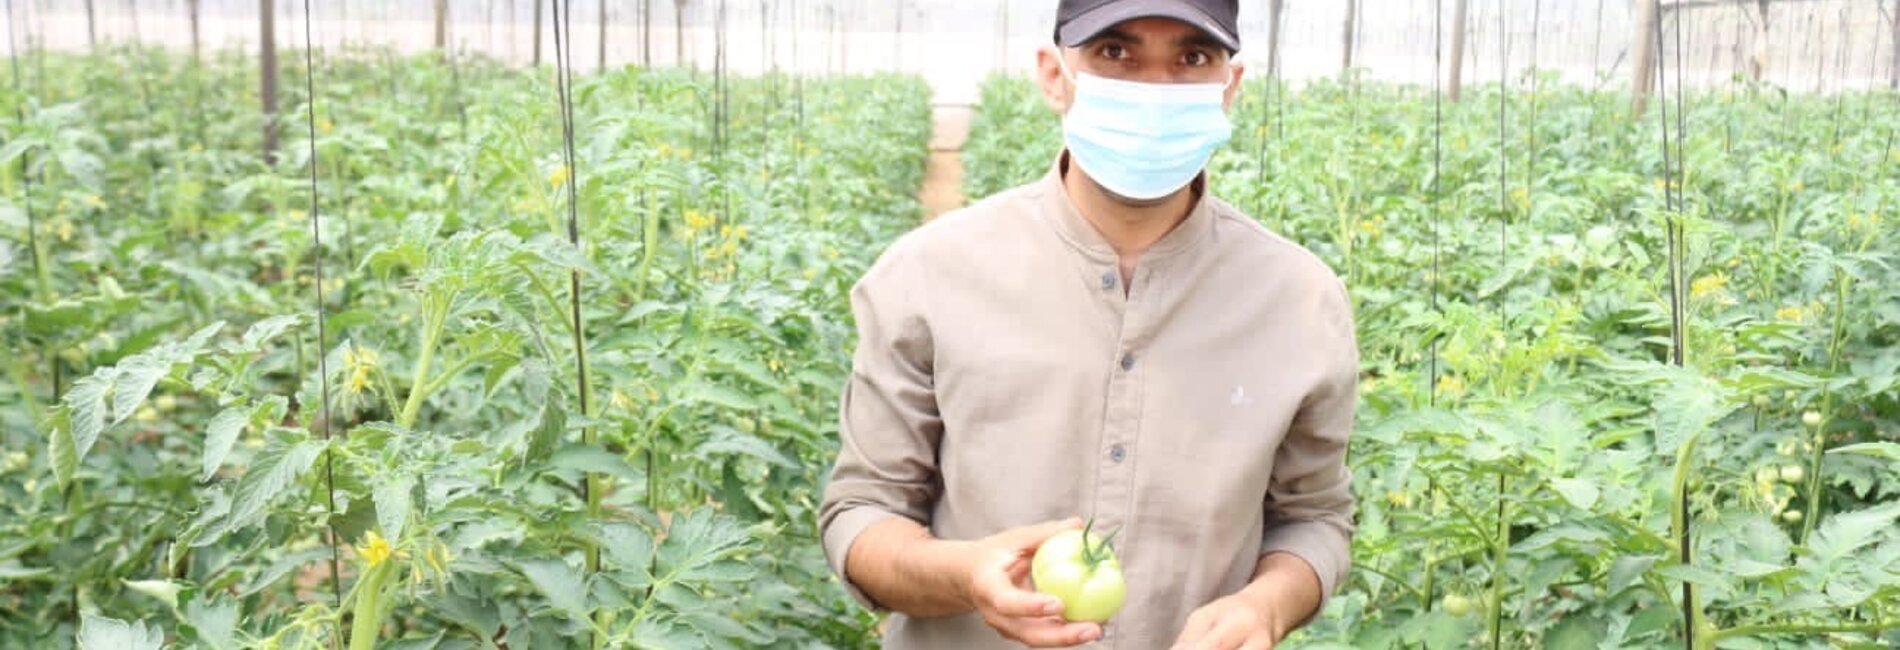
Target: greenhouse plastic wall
[{"x": 1813, "y": 45}]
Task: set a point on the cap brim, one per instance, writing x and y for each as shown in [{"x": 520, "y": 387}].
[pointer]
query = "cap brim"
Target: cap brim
[{"x": 1091, "y": 24}]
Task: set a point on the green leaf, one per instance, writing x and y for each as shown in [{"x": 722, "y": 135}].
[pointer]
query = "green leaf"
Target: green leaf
[
  {"x": 628, "y": 546},
  {"x": 215, "y": 622},
  {"x": 274, "y": 469},
  {"x": 593, "y": 459},
  {"x": 701, "y": 391},
  {"x": 547, "y": 434},
  {"x": 86, "y": 409},
  {"x": 560, "y": 583},
  {"x": 1887, "y": 450},
  {"x": 100, "y": 633},
  {"x": 392, "y": 498},
  {"x": 263, "y": 331},
  {"x": 165, "y": 591},
  {"x": 1580, "y": 493},
  {"x": 1840, "y": 535},
  {"x": 220, "y": 435},
  {"x": 61, "y": 448}
]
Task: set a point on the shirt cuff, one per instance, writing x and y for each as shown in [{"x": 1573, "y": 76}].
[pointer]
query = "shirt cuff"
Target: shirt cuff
[
  {"x": 1320, "y": 544},
  {"x": 838, "y": 537}
]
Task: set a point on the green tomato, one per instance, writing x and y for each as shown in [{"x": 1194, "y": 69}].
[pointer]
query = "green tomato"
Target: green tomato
[
  {"x": 1457, "y": 605},
  {"x": 1792, "y": 474},
  {"x": 1079, "y": 569}
]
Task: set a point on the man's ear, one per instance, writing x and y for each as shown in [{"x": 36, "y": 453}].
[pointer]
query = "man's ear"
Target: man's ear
[
  {"x": 1239, "y": 72},
  {"x": 1057, "y": 92}
]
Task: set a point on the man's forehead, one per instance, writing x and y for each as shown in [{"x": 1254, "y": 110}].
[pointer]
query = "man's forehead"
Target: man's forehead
[{"x": 1159, "y": 30}]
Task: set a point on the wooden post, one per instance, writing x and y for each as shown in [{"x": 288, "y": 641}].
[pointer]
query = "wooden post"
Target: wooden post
[
  {"x": 646, "y": 33},
  {"x": 1758, "y": 61},
  {"x": 1460, "y": 25},
  {"x": 1893, "y": 73},
  {"x": 600, "y": 57},
  {"x": 267, "y": 77},
  {"x": 1276, "y": 9},
  {"x": 1643, "y": 68},
  {"x": 1345, "y": 60},
  {"x": 441, "y": 25},
  {"x": 92, "y": 29},
  {"x": 537, "y": 33},
  {"x": 192, "y": 7},
  {"x": 679, "y": 32}
]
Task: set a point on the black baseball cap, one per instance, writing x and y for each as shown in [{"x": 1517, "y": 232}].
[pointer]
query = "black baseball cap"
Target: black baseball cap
[{"x": 1077, "y": 21}]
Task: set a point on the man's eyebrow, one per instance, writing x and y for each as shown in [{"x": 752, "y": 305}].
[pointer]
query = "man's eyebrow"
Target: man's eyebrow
[
  {"x": 1199, "y": 39},
  {"x": 1112, "y": 34}
]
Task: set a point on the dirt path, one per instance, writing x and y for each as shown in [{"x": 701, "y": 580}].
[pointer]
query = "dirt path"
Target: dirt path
[{"x": 943, "y": 174}]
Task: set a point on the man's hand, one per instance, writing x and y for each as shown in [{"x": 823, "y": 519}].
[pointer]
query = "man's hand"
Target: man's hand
[
  {"x": 998, "y": 588},
  {"x": 1235, "y": 622}
]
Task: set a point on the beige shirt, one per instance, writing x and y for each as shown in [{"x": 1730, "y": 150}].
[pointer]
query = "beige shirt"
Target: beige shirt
[{"x": 1003, "y": 377}]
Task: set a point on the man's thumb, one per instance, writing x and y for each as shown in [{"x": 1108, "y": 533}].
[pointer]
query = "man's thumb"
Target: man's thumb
[{"x": 1029, "y": 537}]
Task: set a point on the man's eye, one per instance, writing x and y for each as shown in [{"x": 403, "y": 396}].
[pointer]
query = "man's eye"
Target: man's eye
[
  {"x": 1197, "y": 59},
  {"x": 1113, "y": 51}
]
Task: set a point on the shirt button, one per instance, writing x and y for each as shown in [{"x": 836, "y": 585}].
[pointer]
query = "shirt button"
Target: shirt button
[
  {"x": 1108, "y": 280},
  {"x": 1128, "y": 361},
  {"x": 1117, "y": 453}
]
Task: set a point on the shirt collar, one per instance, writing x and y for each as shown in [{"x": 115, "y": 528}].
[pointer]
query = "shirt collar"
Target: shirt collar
[{"x": 1076, "y": 230}]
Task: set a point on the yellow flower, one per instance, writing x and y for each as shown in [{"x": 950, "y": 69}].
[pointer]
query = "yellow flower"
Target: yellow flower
[
  {"x": 697, "y": 221},
  {"x": 65, "y": 230},
  {"x": 324, "y": 126},
  {"x": 360, "y": 362},
  {"x": 374, "y": 550},
  {"x": 665, "y": 150},
  {"x": 1707, "y": 285},
  {"x": 1521, "y": 197},
  {"x": 1450, "y": 384},
  {"x": 95, "y": 201},
  {"x": 557, "y": 177},
  {"x": 1793, "y": 314}
]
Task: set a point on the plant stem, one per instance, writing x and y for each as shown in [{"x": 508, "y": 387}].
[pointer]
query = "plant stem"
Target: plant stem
[
  {"x": 433, "y": 322},
  {"x": 1816, "y": 494},
  {"x": 369, "y": 607},
  {"x": 1693, "y": 624},
  {"x": 1500, "y": 551},
  {"x": 1708, "y": 641}
]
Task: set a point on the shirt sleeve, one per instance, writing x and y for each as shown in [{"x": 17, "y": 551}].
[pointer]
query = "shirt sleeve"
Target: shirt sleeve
[
  {"x": 888, "y": 423},
  {"x": 1309, "y": 504}
]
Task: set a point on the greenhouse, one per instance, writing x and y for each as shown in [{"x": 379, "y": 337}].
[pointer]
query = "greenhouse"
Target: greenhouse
[{"x": 950, "y": 324}]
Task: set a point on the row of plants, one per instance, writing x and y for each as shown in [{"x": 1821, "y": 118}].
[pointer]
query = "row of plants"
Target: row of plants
[
  {"x": 1527, "y": 459},
  {"x": 201, "y": 454}
]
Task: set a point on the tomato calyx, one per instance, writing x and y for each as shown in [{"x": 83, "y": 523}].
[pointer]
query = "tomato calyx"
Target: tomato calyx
[{"x": 1093, "y": 555}]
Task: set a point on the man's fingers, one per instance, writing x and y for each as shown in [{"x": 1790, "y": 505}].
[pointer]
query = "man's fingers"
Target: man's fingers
[
  {"x": 1024, "y": 604},
  {"x": 1050, "y": 632},
  {"x": 997, "y": 591},
  {"x": 1226, "y": 633},
  {"x": 1261, "y": 641},
  {"x": 1198, "y": 625}
]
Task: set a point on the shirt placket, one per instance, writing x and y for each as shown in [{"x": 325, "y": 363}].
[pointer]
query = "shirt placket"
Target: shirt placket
[{"x": 1121, "y": 417}]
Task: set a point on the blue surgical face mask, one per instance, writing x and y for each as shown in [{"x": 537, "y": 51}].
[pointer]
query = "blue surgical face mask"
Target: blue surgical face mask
[{"x": 1144, "y": 141}]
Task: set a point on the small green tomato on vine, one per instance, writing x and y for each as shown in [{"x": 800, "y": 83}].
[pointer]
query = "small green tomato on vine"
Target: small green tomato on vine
[{"x": 1079, "y": 568}]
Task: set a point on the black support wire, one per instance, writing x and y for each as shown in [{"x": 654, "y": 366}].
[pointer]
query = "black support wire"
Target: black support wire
[
  {"x": 562, "y": 19},
  {"x": 1438, "y": 172},
  {"x": 323, "y": 364},
  {"x": 1501, "y": 543},
  {"x": 1673, "y": 206},
  {"x": 26, "y": 180}
]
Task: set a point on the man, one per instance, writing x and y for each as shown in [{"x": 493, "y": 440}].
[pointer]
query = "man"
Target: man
[{"x": 1109, "y": 342}]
